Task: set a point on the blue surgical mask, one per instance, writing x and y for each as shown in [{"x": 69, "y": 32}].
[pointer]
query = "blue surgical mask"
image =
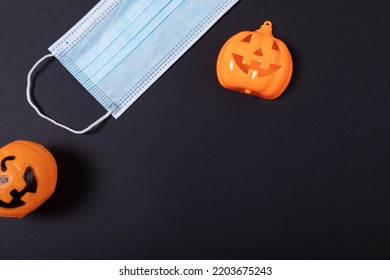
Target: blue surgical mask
[{"x": 121, "y": 47}]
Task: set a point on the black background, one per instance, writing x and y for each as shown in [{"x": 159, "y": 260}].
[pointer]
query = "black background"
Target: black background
[{"x": 195, "y": 171}]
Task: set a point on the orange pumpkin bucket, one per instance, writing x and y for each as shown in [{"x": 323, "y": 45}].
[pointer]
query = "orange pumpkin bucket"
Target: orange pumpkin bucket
[
  {"x": 28, "y": 177},
  {"x": 255, "y": 63}
]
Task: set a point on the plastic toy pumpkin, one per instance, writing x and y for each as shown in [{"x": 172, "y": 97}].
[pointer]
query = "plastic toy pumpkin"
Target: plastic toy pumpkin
[
  {"x": 28, "y": 177},
  {"x": 255, "y": 63}
]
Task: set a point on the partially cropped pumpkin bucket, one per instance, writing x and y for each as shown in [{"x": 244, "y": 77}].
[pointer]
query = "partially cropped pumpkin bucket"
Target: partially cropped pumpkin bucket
[{"x": 28, "y": 177}]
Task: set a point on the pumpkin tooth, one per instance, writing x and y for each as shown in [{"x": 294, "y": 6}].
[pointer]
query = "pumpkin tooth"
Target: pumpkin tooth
[{"x": 239, "y": 60}]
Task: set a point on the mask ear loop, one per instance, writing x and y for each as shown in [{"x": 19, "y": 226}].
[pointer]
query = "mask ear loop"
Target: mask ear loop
[{"x": 28, "y": 95}]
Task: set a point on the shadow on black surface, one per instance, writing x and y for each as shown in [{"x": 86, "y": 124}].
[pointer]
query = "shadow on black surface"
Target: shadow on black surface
[
  {"x": 297, "y": 67},
  {"x": 71, "y": 185}
]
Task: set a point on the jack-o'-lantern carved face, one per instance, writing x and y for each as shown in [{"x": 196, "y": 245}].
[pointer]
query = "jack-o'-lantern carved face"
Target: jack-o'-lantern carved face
[
  {"x": 256, "y": 63},
  {"x": 28, "y": 182},
  {"x": 28, "y": 175}
]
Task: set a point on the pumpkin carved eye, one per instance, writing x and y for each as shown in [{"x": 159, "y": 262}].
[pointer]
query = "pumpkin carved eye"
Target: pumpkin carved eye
[
  {"x": 256, "y": 63},
  {"x": 275, "y": 46},
  {"x": 3, "y": 180},
  {"x": 27, "y": 178},
  {"x": 247, "y": 39}
]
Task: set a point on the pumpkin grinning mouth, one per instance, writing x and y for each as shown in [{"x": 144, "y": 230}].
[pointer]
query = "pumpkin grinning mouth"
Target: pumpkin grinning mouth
[
  {"x": 31, "y": 187},
  {"x": 254, "y": 65}
]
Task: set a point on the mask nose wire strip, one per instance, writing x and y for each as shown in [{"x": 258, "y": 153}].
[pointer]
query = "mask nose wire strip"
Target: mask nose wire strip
[{"x": 28, "y": 95}]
